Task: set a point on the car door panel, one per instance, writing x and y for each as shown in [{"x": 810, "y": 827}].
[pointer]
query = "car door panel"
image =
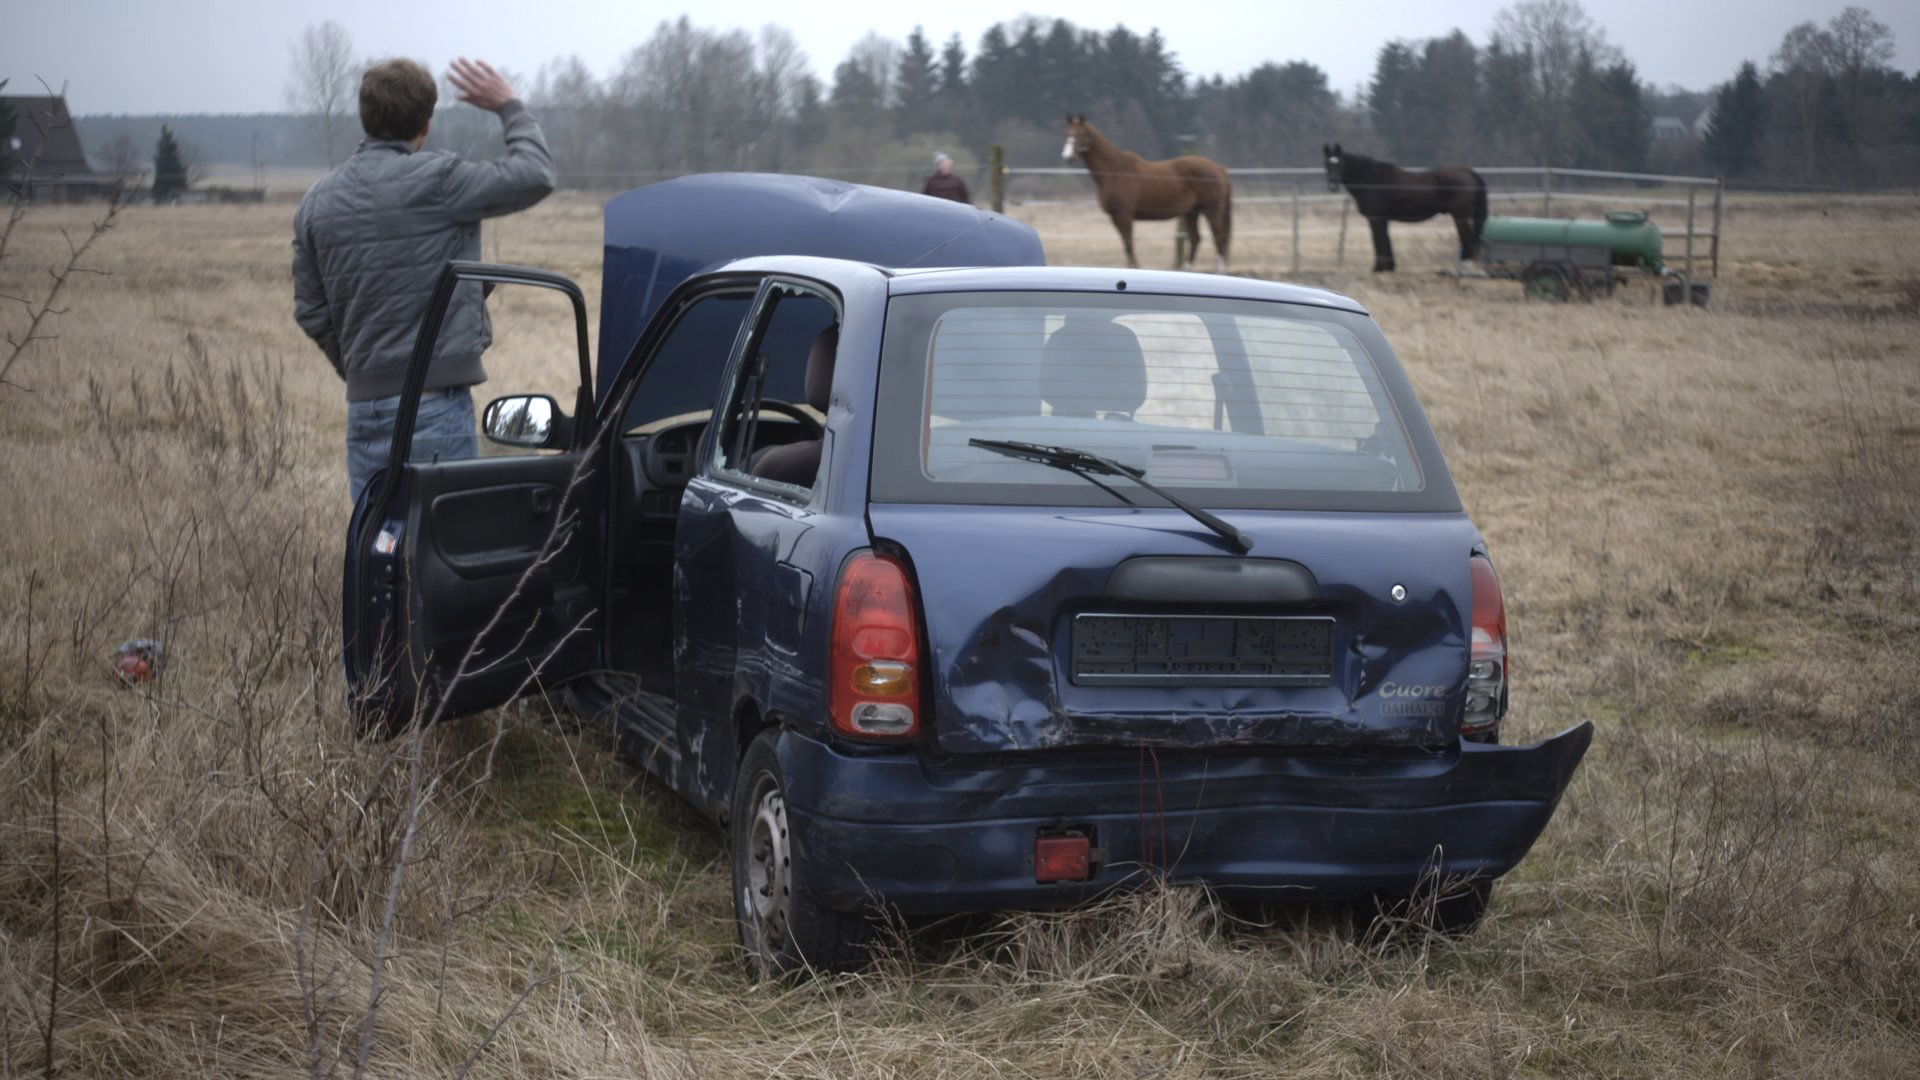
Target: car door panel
[
  {"x": 499, "y": 529},
  {"x": 471, "y": 581},
  {"x": 744, "y": 610},
  {"x": 506, "y": 604}
]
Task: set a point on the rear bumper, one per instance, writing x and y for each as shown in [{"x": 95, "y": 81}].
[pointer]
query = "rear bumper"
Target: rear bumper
[{"x": 929, "y": 838}]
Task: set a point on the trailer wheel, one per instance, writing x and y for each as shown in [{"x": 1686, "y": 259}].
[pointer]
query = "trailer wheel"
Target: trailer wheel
[{"x": 1547, "y": 283}]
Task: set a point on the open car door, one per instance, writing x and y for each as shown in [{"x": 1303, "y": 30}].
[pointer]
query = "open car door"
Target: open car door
[{"x": 469, "y": 582}]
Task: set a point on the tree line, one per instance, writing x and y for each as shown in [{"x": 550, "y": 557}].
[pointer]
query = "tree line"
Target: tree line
[
  {"x": 1828, "y": 107},
  {"x": 1543, "y": 87}
]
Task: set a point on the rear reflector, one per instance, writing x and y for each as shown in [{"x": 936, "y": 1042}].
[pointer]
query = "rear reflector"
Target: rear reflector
[{"x": 1062, "y": 858}]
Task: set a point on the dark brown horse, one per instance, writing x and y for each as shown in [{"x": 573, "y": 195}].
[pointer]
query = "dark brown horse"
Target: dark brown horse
[
  {"x": 1135, "y": 189},
  {"x": 1386, "y": 192}
]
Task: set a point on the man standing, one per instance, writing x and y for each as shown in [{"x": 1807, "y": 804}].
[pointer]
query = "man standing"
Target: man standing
[
  {"x": 369, "y": 242},
  {"x": 943, "y": 184}
]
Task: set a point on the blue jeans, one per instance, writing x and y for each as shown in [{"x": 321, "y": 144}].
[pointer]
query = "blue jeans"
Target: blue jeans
[{"x": 444, "y": 429}]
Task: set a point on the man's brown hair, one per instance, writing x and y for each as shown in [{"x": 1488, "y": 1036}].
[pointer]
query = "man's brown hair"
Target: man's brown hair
[{"x": 397, "y": 99}]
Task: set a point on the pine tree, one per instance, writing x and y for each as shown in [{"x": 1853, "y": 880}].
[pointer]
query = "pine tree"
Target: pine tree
[
  {"x": 1028, "y": 75},
  {"x": 1449, "y": 75},
  {"x": 854, "y": 91},
  {"x": 1276, "y": 112},
  {"x": 953, "y": 104},
  {"x": 1502, "y": 116},
  {"x": 953, "y": 69},
  {"x": 1615, "y": 126},
  {"x": 913, "y": 86},
  {"x": 169, "y": 168},
  {"x": 995, "y": 92},
  {"x": 1738, "y": 122},
  {"x": 1060, "y": 86},
  {"x": 1166, "y": 100},
  {"x": 1390, "y": 100}
]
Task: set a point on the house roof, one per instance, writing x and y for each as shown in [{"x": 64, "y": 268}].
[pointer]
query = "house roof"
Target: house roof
[{"x": 45, "y": 134}]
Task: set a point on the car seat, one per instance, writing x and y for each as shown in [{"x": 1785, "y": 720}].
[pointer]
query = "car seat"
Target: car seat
[
  {"x": 798, "y": 462},
  {"x": 1092, "y": 365}
]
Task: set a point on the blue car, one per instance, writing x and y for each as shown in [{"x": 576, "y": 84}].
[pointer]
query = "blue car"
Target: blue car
[{"x": 948, "y": 581}]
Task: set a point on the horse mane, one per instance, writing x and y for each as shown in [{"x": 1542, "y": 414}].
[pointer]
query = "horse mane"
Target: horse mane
[
  {"x": 1364, "y": 169},
  {"x": 1099, "y": 143}
]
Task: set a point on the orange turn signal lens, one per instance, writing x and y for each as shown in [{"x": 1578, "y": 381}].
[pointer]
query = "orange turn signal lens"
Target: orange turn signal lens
[{"x": 883, "y": 678}]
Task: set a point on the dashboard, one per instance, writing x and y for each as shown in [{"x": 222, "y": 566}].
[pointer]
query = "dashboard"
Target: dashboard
[{"x": 663, "y": 456}]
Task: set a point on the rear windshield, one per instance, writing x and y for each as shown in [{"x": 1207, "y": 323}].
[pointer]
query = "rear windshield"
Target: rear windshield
[{"x": 1237, "y": 403}]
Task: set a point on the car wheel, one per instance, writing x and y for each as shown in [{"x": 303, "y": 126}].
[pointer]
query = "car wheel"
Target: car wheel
[{"x": 784, "y": 929}]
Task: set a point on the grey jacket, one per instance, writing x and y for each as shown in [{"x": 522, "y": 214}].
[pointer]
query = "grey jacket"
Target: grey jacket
[{"x": 371, "y": 237}]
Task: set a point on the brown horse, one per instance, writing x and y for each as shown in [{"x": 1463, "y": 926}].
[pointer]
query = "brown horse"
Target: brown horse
[
  {"x": 1135, "y": 189},
  {"x": 1386, "y": 192}
]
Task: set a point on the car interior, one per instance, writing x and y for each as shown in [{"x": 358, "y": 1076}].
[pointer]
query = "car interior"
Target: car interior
[{"x": 770, "y": 431}]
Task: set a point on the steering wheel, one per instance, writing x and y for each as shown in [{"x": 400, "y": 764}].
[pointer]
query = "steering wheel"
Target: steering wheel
[{"x": 813, "y": 428}]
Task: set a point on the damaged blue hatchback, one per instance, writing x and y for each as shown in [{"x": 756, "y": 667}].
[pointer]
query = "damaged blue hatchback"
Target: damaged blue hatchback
[{"x": 963, "y": 589}]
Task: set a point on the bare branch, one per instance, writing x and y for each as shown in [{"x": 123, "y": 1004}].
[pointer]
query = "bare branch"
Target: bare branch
[
  {"x": 473, "y": 1058},
  {"x": 49, "y": 306}
]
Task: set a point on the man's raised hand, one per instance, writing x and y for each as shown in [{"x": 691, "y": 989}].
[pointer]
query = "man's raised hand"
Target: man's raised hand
[{"x": 479, "y": 84}]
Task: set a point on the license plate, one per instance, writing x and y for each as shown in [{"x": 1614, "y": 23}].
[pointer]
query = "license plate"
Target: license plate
[{"x": 1160, "y": 650}]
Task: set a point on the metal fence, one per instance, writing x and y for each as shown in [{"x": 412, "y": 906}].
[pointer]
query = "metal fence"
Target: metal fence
[{"x": 1543, "y": 186}]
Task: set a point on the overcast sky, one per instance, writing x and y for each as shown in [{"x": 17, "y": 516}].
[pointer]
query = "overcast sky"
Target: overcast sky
[{"x": 137, "y": 56}]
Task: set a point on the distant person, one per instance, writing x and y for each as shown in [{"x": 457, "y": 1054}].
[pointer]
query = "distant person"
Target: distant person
[
  {"x": 943, "y": 184},
  {"x": 369, "y": 242}
]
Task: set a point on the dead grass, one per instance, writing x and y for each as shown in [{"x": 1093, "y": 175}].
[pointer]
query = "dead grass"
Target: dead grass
[{"x": 1704, "y": 520}]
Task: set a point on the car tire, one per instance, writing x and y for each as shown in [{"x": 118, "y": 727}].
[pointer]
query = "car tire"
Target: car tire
[{"x": 784, "y": 930}]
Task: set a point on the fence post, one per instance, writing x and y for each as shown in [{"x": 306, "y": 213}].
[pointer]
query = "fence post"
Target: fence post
[
  {"x": 997, "y": 176},
  {"x": 1546, "y": 188},
  {"x": 1691, "y": 191},
  {"x": 1719, "y": 193},
  {"x": 1296, "y": 230},
  {"x": 1340, "y": 260}
]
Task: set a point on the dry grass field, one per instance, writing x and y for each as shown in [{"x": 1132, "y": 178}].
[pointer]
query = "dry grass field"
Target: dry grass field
[{"x": 1705, "y": 521}]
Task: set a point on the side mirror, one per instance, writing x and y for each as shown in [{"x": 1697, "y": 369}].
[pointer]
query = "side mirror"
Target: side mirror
[{"x": 528, "y": 421}]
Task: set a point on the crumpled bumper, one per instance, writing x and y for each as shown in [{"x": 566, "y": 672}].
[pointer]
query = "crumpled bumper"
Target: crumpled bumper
[{"x": 928, "y": 836}]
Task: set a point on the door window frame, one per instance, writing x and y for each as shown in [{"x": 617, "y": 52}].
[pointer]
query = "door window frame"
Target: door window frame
[
  {"x": 452, "y": 276},
  {"x": 711, "y": 466},
  {"x": 612, "y": 408}
]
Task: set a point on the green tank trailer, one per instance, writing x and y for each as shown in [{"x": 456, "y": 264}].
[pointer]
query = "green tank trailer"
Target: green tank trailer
[{"x": 1560, "y": 258}]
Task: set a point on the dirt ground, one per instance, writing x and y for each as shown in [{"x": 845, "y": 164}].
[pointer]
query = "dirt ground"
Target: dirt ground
[{"x": 1704, "y": 521}]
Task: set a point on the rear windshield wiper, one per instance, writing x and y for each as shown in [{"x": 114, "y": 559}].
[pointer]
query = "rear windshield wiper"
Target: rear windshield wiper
[{"x": 1089, "y": 465}]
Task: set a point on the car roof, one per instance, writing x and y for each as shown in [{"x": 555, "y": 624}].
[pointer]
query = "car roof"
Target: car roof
[
  {"x": 917, "y": 281},
  {"x": 1101, "y": 279}
]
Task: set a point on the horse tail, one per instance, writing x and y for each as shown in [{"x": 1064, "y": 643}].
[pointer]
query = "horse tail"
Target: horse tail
[
  {"x": 1479, "y": 209},
  {"x": 1226, "y": 215}
]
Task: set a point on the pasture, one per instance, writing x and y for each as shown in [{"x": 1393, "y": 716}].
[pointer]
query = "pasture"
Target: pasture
[{"x": 1704, "y": 520}]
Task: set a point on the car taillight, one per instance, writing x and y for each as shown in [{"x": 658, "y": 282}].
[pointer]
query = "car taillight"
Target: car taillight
[
  {"x": 1487, "y": 660},
  {"x": 874, "y": 687}
]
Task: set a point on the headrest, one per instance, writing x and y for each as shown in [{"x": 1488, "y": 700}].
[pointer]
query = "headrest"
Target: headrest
[
  {"x": 1093, "y": 365},
  {"x": 820, "y": 367}
]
